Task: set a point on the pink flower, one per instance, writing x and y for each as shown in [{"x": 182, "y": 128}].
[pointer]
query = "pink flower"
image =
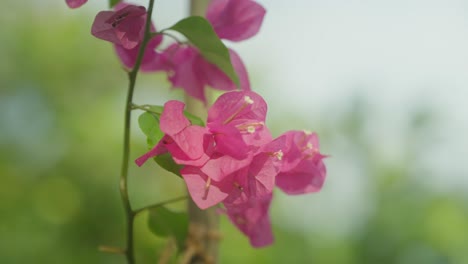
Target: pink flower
[
  {"x": 237, "y": 122},
  {"x": 253, "y": 180},
  {"x": 190, "y": 71},
  {"x": 303, "y": 170},
  {"x": 237, "y": 106},
  {"x": 123, "y": 27},
  {"x": 258, "y": 179},
  {"x": 235, "y": 20},
  {"x": 235, "y": 161},
  {"x": 219, "y": 158},
  {"x": 240, "y": 115},
  {"x": 75, "y": 3},
  {"x": 151, "y": 59},
  {"x": 252, "y": 219},
  {"x": 204, "y": 191}
]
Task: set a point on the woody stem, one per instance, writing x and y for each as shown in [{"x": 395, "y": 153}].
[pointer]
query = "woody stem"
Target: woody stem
[{"x": 202, "y": 222}]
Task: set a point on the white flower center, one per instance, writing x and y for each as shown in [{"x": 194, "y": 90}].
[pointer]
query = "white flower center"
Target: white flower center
[
  {"x": 248, "y": 100},
  {"x": 279, "y": 154}
]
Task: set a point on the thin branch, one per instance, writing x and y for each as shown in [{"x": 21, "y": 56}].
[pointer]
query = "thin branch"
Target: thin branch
[
  {"x": 145, "y": 108},
  {"x": 112, "y": 250},
  {"x": 149, "y": 207},
  {"x": 132, "y": 76}
]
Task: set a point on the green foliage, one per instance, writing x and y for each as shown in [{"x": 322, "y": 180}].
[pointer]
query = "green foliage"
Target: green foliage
[
  {"x": 201, "y": 34},
  {"x": 156, "y": 109},
  {"x": 166, "y": 223},
  {"x": 167, "y": 162},
  {"x": 195, "y": 120},
  {"x": 112, "y": 3},
  {"x": 149, "y": 124}
]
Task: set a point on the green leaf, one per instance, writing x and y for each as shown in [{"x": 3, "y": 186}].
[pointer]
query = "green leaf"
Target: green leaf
[
  {"x": 201, "y": 34},
  {"x": 149, "y": 124},
  {"x": 164, "y": 222},
  {"x": 112, "y": 3},
  {"x": 156, "y": 109},
  {"x": 167, "y": 162},
  {"x": 195, "y": 120}
]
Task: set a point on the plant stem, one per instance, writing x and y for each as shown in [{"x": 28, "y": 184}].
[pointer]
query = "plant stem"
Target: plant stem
[
  {"x": 132, "y": 76},
  {"x": 204, "y": 224},
  {"x": 149, "y": 207},
  {"x": 144, "y": 108}
]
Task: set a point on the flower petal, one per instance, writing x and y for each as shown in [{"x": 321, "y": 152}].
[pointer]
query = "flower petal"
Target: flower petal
[
  {"x": 75, "y": 3},
  {"x": 252, "y": 219},
  {"x": 180, "y": 157},
  {"x": 240, "y": 69},
  {"x": 292, "y": 155},
  {"x": 204, "y": 194},
  {"x": 103, "y": 30},
  {"x": 238, "y": 105},
  {"x": 262, "y": 172},
  {"x": 173, "y": 120},
  {"x": 217, "y": 79},
  {"x": 228, "y": 140},
  {"x": 235, "y": 20},
  {"x": 151, "y": 59},
  {"x": 180, "y": 62},
  {"x": 256, "y": 181},
  {"x": 220, "y": 167},
  {"x": 307, "y": 177},
  {"x": 190, "y": 141},
  {"x": 254, "y": 133},
  {"x": 123, "y": 27},
  {"x": 130, "y": 33},
  {"x": 159, "y": 149}
]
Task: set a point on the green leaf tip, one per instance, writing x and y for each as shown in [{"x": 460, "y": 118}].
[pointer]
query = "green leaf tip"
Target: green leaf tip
[{"x": 167, "y": 162}]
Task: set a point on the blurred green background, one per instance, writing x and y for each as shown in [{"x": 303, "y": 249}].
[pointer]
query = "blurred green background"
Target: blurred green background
[{"x": 61, "y": 116}]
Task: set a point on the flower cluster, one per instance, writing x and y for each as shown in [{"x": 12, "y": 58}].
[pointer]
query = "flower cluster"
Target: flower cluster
[
  {"x": 234, "y": 20},
  {"x": 234, "y": 160}
]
